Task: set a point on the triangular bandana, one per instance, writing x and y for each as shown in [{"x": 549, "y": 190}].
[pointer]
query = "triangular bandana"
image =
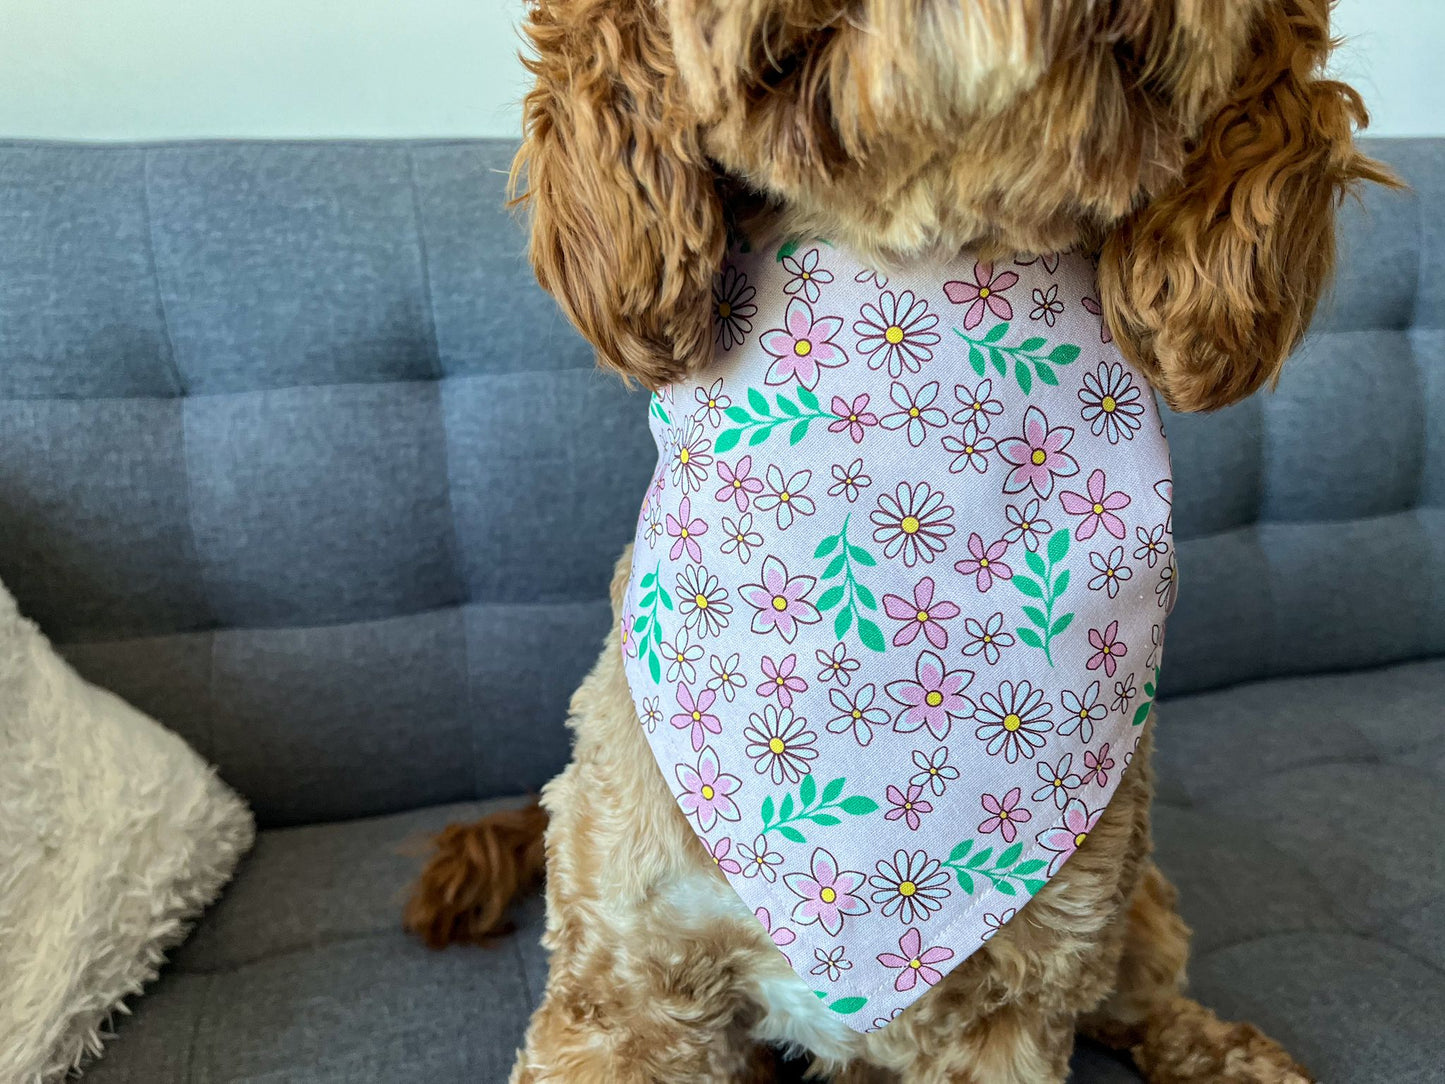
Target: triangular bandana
[{"x": 897, "y": 600}]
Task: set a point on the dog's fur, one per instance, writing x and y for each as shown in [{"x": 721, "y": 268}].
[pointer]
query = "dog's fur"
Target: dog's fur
[{"x": 1196, "y": 147}]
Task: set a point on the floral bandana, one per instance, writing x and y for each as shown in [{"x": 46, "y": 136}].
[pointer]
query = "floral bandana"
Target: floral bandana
[{"x": 897, "y": 600}]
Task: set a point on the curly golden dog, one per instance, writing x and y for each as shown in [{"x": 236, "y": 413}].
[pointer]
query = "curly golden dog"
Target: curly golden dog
[{"x": 1197, "y": 149}]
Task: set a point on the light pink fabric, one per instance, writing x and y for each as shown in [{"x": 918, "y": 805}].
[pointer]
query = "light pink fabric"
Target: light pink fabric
[{"x": 897, "y": 600}]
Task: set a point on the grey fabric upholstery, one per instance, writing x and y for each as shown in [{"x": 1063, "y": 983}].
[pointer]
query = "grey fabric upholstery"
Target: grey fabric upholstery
[{"x": 295, "y": 456}]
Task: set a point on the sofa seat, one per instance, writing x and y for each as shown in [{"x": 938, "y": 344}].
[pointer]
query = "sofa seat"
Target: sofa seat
[{"x": 1307, "y": 868}]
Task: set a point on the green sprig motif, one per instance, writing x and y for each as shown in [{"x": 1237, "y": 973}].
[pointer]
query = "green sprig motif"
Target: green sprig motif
[
  {"x": 811, "y": 806},
  {"x": 759, "y": 422},
  {"x": 850, "y": 593},
  {"x": 1048, "y": 589},
  {"x": 1028, "y": 357},
  {"x": 844, "y": 1005},
  {"x": 646, "y": 627},
  {"x": 1150, "y": 688},
  {"x": 656, "y": 409},
  {"x": 1007, "y": 874}
]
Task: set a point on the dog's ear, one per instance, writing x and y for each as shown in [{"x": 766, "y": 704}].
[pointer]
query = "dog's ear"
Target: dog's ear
[
  {"x": 1209, "y": 286},
  {"x": 627, "y": 225}
]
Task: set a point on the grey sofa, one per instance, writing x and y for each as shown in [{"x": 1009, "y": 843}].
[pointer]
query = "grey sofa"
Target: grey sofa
[{"x": 295, "y": 456}]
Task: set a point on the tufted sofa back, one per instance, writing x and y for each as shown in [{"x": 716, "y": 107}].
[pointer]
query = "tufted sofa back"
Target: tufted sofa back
[{"x": 295, "y": 456}]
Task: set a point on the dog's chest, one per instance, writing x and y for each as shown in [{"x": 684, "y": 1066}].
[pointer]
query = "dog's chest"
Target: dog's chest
[{"x": 897, "y": 602}]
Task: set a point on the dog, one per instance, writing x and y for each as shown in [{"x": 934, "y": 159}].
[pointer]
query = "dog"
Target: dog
[{"x": 1196, "y": 152}]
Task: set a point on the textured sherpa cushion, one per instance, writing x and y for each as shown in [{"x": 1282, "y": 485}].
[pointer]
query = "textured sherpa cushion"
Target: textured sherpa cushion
[{"x": 113, "y": 836}]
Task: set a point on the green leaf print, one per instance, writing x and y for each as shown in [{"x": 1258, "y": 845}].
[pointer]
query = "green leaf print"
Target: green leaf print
[
  {"x": 781, "y": 817},
  {"x": 853, "y": 596},
  {"x": 1048, "y": 589},
  {"x": 845, "y": 1005},
  {"x": 1028, "y": 357},
  {"x": 1150, "y": 688},
  {"x": 656, "y": 409},
  {"x": 646, "y": 626},
  {"x": 759, "y": 423},
  {"x": 1005, "y": 872}
]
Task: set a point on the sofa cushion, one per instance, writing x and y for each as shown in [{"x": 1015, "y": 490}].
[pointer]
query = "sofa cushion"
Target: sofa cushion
[{"x": 1309, "y": 918}]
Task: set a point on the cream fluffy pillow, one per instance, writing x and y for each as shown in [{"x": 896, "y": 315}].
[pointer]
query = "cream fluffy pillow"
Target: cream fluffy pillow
[{"x": 114, "y": 835}]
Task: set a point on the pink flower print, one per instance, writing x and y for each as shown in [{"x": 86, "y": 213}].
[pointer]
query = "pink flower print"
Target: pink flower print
[
  {"x": 1047, "y": 305},
  {"x": 780, "y": 681},
  {"x": 1081, "y": 712},
  {"x": 836, "y": 665},
  {"x": 1111, "y": 402},
  {"x": 738, "y": 482},
  {"x": 1093, "y": 306},
  {"x": 721, "y": 853},
  {"x": 986, "y": 638},
  {"x": 856, "y": 714},
  {"x": 1108, "y": 649},
  {"x": 849, "y": 481},
  {"x": 1025, "y": 524},
  {"x": 785, "y": 497},
  {"x": 1097, "y": 766},
  {"x": 806, "y": 275},
  {"x": 781, "y": 601},
  {"x": 781, "y": 935},
  {"x": 907, "y": 805},
  {"x": 1058, "y": 779},
  {"x": 733, "y": 308},
  {"x": 828, "y": 896},
  {"x": 915, "y": 412},
  {"x": 934, "y": 699},
  {"x": 685, "y": 529},
  {"x": 986, "y": 290},
  {"x": 711, "y": 402},
  {"x": 1067, "y": 838},
  {"x": 915, "y": 964},
  {"x": 997, "y": 922},
  {"x": 897, "y": 333},
  {"x": 1003, "y": 814},
  {"x": 969, "y": 450},
  {"x": 805, "y": 348},
  {"x": 979, "y": 405},
  {"x": 1097, "y": 508},
  {"x": 831, "y": 963},
  {"x": 695, "y": 715},
  {"x": 1038, "y": 456},
  {"x": 780, "y": 744},
  {"x": 934, "y": 771},
  {"x": 706, "y": 790},
  {"x": 855, "y": 417},
  {"x": 759, "y": 861},
  {"x": 923, "y": 613},
  {"x": 984, "y": 563},
  {"x": 1152, "y": 544},
  {"x": 1013, "y": 721},
  {"x": 1110, "y": 571}
]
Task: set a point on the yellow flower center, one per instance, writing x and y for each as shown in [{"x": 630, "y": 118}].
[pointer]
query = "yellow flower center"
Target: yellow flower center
[
  {"x": 1083, "y": 713},
  {"x": 802, "y": 348},
  {"x": 933, "y": 699},
  {"x": 1079, "y": 839},
  {"x": 913, "y": 412},
  {"x": 983, "y": 562},
  {"x": 1109, "y": 572},
  {"x": 684, "y": 532},
  {"x": 737, "y": 483},
  {"x": 708, "y": 792},
  {"x": 932, "y": 771},
  {"x": 1038, "y": 457},
  {"x": 968, "y": 449},
  {"x": 907, "y": 805},
  {"x": 807, "y": 276},
  {"x": 910, "y": 524},
  {"x": 701, "y": 601},
  {"x": 907, "y": 888},
  {"x": 857, "y": 714},
  {"x": 1058, "y": 782},
  {"x": 782, "y": 681},
  {"x": 977, "y": 405},
  {"x": 740, "y": 538},
  {"x": 1003, "y": 814},
  {"x": 1098, "y": 509},
  {"x": 915, "y": 963},
  {"x": 894, "y": 334},
  {"x": 1012, "y": 722},
  {"x": 697, "y": 717},
  {"x": 1108, "y": 403},
  {"x": 827, "y": 895},
  {"x": 923, "y": 615},
  {"x": 684, "y": 455},
  {"x": 785, "y": 496},
  {"x": 776, "y": 745},
  {"x": 852, "y": 417},
  {"x": 983, "y": 292},
  {"x": 725, "y": 310},
  {"x": 780, "y": 603},
  {"x": 1107, "y": 649},
  {"x": 711, "y": 403}
]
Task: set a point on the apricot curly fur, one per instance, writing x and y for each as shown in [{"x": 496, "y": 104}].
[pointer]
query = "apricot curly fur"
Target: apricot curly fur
[{"x": 1197, "y": 148}]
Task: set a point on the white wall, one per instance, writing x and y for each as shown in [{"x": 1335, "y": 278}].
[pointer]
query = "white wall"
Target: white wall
[{"x": 176, "y": 69}]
